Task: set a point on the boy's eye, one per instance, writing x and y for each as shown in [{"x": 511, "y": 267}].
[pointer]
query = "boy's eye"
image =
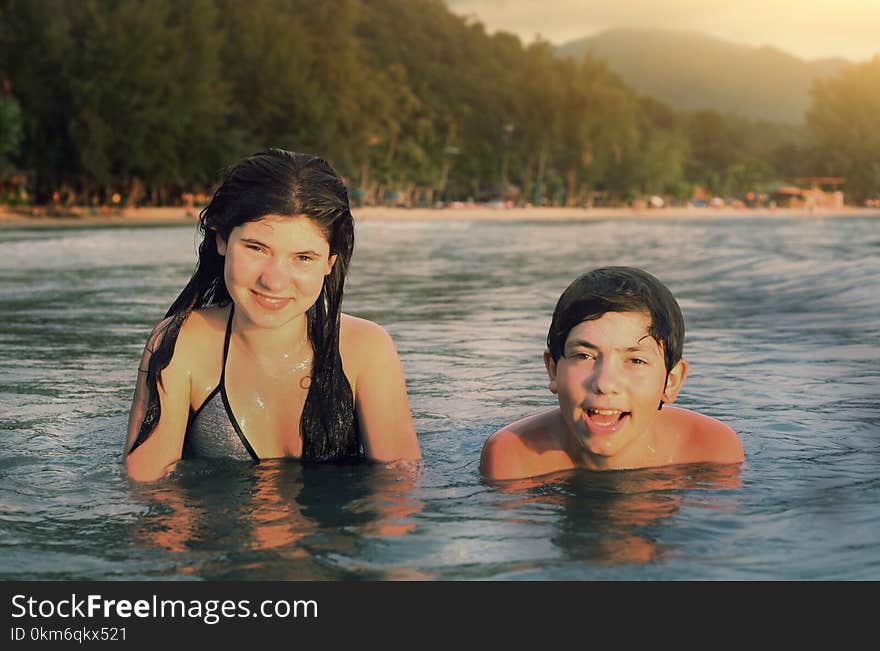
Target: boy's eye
[
  {"x": 581, "y": 355},
  {"x": 638, "y": 361},
  {"x": 304, "y": 258},
  {"x": 253, "y": 247}
]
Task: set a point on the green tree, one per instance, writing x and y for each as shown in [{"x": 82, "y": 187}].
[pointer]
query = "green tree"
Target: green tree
[
  {"x": 147, "y": 104},
  {"x": 268, "y": 64},
  {"x": 457, "y": 96},
  {"x": 542, "y": 98},
  {"x": 10, "y": 130},
  {"x": 150, "y": 97},
  {"x": 844, "y": 117},
  {"x": 36, "y": 52}
]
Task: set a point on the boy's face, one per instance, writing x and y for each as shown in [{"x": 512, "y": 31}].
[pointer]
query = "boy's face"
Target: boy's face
[{"x": 610, "y": 380}]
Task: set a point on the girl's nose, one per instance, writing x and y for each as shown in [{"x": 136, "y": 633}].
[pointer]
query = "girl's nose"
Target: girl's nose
[{"x": 275, "y": 275}]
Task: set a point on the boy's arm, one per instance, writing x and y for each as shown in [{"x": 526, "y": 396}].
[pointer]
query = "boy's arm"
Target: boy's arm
[
  {"x": 501, "y": 457},
  {"x": 723, "y": 444},
  {"x": 708, "y": 439},
  {"x": 529, "y": 447}
]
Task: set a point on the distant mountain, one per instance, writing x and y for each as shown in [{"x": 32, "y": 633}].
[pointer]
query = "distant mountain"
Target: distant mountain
[{"x": 689, "y": 70}]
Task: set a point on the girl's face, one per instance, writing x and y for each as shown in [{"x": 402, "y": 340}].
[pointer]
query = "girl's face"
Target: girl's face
[{"x": 274, "y": 268}]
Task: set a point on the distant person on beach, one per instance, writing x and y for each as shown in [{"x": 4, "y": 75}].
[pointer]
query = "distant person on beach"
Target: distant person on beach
[
  {"x": 614, "y": 359},
  {"x": 254, "y": 359}
]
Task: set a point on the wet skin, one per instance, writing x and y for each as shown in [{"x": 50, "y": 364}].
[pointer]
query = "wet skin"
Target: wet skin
[
  {"x": 610, "y": 381},
  {"x": 275, "y": 268}
]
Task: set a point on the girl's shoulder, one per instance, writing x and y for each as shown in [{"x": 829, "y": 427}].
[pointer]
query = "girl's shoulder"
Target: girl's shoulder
[
  {"x": 360, "y": 332},
  {"x": 204, "y": 331},
  {"x": 207, "y": 320},
  {"x": 199, "y": 334},
  {"x": 363, "y": 342}
]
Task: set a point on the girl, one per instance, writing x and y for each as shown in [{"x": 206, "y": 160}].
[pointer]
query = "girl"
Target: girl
[{"x": 254, "y": 359}]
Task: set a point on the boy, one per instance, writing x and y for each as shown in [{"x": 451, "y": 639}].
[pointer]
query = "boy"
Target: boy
[{"x": 614, "y": 361}]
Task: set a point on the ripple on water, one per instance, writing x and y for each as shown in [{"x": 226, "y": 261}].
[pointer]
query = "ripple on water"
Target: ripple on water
[{"x": 782, "y": 332}]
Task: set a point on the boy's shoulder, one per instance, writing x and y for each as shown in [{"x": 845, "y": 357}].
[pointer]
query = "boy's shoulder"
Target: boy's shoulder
[
  {"x": 528, "y": 447},
  {"x": 703, "y": 439}
]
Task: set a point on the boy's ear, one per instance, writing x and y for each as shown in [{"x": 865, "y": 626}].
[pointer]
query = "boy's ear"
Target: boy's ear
[
  {"x": 551, "y": 370},
  {"x": 221, "y": 243},
  {"x": 674, "y": 381}
]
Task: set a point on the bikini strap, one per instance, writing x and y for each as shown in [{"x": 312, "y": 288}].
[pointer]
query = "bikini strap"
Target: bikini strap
[{"x": 226, "y": 342}]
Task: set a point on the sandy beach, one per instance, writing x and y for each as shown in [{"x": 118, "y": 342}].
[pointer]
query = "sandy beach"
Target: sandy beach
[{"x": 177, "y": 215}]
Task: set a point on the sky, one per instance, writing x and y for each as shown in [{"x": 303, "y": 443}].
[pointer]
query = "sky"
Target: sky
[{"x": 809, "y": 29}]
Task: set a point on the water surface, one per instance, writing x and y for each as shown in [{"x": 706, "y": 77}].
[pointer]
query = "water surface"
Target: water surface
[{"x": 783, "y": 334}]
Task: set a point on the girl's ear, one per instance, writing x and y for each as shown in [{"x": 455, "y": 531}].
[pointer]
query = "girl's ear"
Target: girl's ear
[
  {"x": 221, "y": 243},
  {"x": 551, "y": 370},
  {"x": 674, "y": 381}
]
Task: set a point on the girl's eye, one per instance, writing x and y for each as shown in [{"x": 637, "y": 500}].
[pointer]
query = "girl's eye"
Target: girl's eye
[
  {"x": 304, "y": 258},
  {"x": 637, "y": 361}
]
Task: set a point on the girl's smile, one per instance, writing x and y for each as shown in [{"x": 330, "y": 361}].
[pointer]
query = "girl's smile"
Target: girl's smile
[{"x": 274, "y": 268}]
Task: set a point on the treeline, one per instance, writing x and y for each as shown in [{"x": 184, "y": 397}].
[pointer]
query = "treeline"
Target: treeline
[{"x": 154, "y": 98}]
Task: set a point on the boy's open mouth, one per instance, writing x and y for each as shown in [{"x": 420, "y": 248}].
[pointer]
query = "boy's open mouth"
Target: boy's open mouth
[{"x": 604, "y": 421}]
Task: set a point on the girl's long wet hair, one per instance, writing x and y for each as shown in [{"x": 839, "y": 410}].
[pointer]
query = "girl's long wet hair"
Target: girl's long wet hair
[{"x": 277, "y": 182}]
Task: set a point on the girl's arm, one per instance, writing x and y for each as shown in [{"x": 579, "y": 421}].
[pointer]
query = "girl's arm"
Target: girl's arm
[
  {"x": 155, "y": 457},
  {"x": 380, "y": 399}
]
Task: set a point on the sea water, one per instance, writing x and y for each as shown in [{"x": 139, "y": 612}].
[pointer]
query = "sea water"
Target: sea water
[{"x": 783, "y": 340}]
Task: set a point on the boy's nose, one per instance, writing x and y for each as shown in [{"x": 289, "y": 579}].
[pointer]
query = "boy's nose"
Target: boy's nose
[{"x": 606, "y": 378}]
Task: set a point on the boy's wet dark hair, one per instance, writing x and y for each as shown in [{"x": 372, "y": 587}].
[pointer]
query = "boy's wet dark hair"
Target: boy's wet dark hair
[{"x": 619, "y": 289}]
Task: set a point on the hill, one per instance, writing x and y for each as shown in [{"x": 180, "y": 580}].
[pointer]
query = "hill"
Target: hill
[{"x": 690, "y": 70}]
